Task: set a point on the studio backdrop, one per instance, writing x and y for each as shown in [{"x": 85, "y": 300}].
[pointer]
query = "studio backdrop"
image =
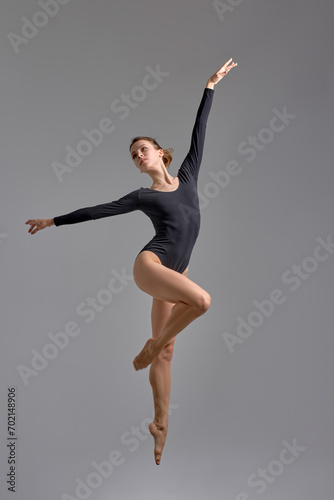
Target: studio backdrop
[{"x": 251, "y": 407}]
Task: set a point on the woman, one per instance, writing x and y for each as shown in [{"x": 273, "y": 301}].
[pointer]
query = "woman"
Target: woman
[{"x": 161, "y": 267}]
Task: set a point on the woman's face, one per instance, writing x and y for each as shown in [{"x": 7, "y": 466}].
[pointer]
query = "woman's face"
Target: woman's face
[{"x": 144, "y": 155}]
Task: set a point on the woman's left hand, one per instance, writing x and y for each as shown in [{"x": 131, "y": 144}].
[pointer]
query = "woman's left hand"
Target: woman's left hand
[{"x": 216, "y": 77}]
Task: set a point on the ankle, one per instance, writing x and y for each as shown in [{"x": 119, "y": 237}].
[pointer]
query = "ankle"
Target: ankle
[{"x": 161, "y": 423}]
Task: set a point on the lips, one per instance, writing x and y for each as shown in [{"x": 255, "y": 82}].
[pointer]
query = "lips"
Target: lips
[{"x": 143, "y": 161}]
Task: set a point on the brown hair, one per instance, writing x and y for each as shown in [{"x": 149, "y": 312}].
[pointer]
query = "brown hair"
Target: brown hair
[{"x": 167, "y": 157}]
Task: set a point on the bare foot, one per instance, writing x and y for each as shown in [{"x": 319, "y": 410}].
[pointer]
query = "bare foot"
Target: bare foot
[
  {"x": 146, "y": 355},
  {"x": 159, "y": 432}
]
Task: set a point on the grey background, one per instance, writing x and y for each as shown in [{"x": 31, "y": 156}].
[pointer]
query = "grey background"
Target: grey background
[{"x": 231, "y": 412}]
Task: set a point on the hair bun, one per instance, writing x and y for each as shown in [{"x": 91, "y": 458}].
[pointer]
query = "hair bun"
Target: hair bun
[{"x": 167, "y": 157}]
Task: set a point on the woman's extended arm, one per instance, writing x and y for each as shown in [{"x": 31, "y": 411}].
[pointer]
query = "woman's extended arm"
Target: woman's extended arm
[{"x": 127, "y": 203}]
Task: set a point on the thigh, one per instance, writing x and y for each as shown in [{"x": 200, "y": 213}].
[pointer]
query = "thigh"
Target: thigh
[
  {"x": 163, "y": 283},
  {"x": 160, "y": 313}
]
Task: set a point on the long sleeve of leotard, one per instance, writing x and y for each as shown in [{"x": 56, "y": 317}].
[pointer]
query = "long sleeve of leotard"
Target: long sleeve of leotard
[
  {"x": 192, "y": 162},
  {"x": 127, "y": 203}
]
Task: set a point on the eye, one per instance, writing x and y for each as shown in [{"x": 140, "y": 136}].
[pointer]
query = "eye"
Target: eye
[{"x": 142, "y": 148}]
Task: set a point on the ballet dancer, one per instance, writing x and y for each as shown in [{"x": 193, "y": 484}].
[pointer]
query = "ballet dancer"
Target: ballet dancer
[{"x": 160, "y": 269}]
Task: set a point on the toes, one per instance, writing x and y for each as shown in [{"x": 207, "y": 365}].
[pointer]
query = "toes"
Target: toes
[
  {"x": 158, "y": 440},
  {"x": 145, "y": 357},
  {"x": 137, "y": 365}
]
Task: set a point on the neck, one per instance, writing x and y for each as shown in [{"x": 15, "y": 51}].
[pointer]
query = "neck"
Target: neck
[{"x": 160, "y": 177}]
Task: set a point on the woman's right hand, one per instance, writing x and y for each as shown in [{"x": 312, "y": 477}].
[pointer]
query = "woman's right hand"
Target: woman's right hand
[
  {"x": 216, "y": 77},
  {"x": 38, "y": 224}
]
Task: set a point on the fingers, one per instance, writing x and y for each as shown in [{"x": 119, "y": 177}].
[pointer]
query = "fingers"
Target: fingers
[
  {"x": 33, "y": 226},
  {"x": 225, "y": 69},
  {"x": 232, "y": 66},
  {"x": 224, "y": 65},
  {"x": 227, "y": 66}
]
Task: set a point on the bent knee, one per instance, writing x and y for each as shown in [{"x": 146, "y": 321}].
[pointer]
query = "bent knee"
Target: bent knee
[{"x": 203, "y": 302}]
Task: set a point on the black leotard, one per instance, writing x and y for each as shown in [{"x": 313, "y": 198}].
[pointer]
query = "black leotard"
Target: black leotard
[{"x": 175, "y": 214}]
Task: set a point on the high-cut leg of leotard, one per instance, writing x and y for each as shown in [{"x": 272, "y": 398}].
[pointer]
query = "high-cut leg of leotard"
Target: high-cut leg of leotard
[{"x": 175, "y": 214}]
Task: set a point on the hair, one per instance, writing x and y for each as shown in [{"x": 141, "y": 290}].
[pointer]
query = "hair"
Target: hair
[{"x": 167, "y": 157}]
